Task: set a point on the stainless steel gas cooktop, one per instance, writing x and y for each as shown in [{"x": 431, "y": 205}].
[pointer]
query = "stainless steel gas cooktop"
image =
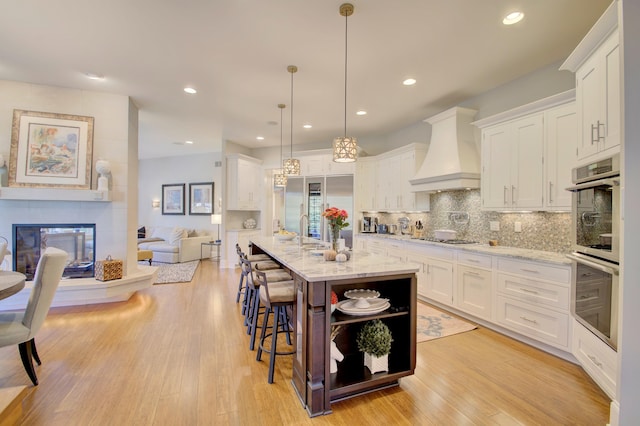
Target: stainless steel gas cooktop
[{"x": 436, "y": 240}]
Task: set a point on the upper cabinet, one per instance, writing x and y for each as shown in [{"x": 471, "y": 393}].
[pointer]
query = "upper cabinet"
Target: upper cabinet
[
  {"x": 512, "y": 167},
  {"x": 598, "y": 99},
  {"x": 366, "y": 182},
  {"x": 561, "y": 139},
  {"x": 528, "y": 154},
  {"x": 244, "y": 182},
  {"x": 320, "y": 163},
  {"x": 390, "y": 190},
  {"x": 596, "y": 64}
]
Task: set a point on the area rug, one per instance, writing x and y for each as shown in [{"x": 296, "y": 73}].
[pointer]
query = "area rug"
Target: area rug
[
  {"x": 176, "y": 272},
  {"x": 433, "y": 324}
]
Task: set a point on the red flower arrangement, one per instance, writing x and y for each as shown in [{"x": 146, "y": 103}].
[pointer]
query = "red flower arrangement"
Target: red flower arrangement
[{"x": 336, "y": 217}]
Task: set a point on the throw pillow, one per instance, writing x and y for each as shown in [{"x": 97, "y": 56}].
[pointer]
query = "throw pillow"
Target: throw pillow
[
  {"x": 142, "y": 233},
  {"x": 176, "y": 235}
]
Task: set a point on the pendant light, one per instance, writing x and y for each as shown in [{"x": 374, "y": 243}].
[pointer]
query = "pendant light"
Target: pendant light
[
  {"x": 280, "y": 179},
  {"x": 291, "y": 166},
  {"x": 345, "y": 148}
]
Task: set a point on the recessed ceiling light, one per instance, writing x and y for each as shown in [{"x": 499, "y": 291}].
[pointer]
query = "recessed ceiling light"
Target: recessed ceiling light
[
  {"x": 189, "y": 142},
  {"x": 361, "y": 112},
  {"x": 190, "y": 90},
  {"x": 513, "y": 18},
  {"x": 93, "y": 76},
  {"x": 260, "y": 138},
  {"x": 409, "y": 82},
  {"x": 307, "y": 126}
]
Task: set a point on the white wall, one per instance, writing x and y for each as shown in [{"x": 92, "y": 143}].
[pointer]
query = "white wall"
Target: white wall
[
  {"x": 629, "y": 348},
  {"x": 112, "y": 141},
  {"x": 155, "y": 172}
]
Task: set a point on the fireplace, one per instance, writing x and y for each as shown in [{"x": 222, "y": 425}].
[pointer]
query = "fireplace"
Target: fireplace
[{"x": 78, "y": 240}]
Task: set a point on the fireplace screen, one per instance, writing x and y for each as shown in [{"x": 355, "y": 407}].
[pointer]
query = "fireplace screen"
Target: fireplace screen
[{"x": 78, "y": 240}]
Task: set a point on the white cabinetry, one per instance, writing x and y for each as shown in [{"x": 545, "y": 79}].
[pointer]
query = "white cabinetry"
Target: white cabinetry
[
  {"x": 596, "y": 63},
  {"x": 437, "y": 279},
  {"x": 241, "y": 237},
  {"x": 598, "y": 99},
  {"x": 244, "y": 182},
  {"x": 394, "y": 169},
  {"x": 320, "y": 163},
  {"x": 527, "y": 155},
  {"x": 512, "y": 166},
  {"x": 596, "y": 357},
  {"x": 533, "y": 299},
  {"x": 366, "y": 184},
  {"x": 474, "y": 286},
  {"x": 559, "y": 155}
]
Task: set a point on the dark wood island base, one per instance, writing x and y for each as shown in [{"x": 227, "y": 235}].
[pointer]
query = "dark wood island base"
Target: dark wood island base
[{"x": 316, "y": 387}]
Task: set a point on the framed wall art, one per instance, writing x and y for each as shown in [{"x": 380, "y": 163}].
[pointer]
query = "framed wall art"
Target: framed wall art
[
  {"x": 201, "y": 198},
  {"x": 173, "y": 198},
  {"x": 50, "y": 150}
]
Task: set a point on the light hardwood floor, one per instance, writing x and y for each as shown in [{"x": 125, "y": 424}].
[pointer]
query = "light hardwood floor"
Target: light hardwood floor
[{"x": 177, "y": 354}]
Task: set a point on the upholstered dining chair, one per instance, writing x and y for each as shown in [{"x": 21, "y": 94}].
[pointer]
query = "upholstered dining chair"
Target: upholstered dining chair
[{"x": 20, "y": 327}]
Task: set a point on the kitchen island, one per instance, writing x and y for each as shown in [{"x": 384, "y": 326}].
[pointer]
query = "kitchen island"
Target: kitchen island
[{"x": 315, "y": 279}]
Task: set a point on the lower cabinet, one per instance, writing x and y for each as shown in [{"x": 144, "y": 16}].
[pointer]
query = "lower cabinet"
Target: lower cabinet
[
  {"x": 540, "y": 323},
  {"x": 440, "y": 280},
  {"x": 596, "y": 357},
  {"x": 534, "y": 299},
  {"x": 474, "y": 291}
]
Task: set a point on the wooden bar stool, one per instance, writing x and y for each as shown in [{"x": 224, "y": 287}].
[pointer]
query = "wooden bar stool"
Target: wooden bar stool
[
  {"x": 252, "y": 294},
  {"x": 252, "y": 258},
  {"x": 276, "y": 297}
]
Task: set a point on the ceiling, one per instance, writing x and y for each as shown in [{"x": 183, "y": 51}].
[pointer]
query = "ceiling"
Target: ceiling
[{"x": 236, "y": 53}]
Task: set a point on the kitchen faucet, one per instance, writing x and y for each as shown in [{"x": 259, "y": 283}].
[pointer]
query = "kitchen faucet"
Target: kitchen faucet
[{"x": 302, "y": 217}]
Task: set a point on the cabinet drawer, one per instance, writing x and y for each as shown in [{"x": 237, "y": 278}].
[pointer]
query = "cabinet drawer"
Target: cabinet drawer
[
  {"x": 534, "y": 321},
  {"x": 535, "y": 292},
  {"x": 431, "y": 251},
  {"x": 473, "y": 259},
  {"x": 559, "y": 274},
  {"x": 596, "y": 357}
]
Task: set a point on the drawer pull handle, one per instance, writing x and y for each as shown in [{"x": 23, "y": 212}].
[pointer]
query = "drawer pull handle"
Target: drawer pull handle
[
  {"x": 533, "y": 271},
  {"x": 472, "y": 260},
  {"x": 595, "y": 361},
  {"x": 529, "y": 320},
  {"x": 473, "y": 273},
  {"x": 526, "y": 290}
]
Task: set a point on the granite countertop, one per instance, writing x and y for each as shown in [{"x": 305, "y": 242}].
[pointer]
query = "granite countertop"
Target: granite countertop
[
  {"x": 514, "y": 252},
  {"x": 306, "y": 263}
]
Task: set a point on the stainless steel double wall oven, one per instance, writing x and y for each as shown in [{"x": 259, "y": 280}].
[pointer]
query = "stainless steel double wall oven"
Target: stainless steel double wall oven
[{"x": 595, "y": 256}]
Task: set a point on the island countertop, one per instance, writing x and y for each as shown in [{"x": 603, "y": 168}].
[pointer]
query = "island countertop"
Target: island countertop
[{"x": 307, "y": 262}]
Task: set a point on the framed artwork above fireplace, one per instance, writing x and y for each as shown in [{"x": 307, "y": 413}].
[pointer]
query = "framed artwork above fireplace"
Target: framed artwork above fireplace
[{"x": 50, "y": 150}]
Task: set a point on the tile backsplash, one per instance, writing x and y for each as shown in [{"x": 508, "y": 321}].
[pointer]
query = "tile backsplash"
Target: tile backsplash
[{"x": 539, "y": 230}]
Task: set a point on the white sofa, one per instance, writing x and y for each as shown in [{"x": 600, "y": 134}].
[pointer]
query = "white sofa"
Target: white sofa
[{"x": 174, "y": 244}]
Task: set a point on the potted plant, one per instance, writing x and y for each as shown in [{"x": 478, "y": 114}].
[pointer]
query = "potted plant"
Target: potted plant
[{"x": 374, "y": 339}]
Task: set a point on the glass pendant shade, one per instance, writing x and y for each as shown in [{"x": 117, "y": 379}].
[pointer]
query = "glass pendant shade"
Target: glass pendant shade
[
  {"x": 345, "y": 150},
  {"x": 291, "y": 167},
  {"x": 280, "y": 180}
]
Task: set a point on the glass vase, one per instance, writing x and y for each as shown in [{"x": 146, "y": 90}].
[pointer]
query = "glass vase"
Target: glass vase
[{"x": 335, "y": 235}]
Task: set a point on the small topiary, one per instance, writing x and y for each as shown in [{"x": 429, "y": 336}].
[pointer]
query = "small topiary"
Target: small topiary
[{"x": 374, "y": 338}]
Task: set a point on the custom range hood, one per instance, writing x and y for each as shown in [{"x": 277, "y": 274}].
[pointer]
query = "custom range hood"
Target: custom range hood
[{"x": 452, "y": 161}]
